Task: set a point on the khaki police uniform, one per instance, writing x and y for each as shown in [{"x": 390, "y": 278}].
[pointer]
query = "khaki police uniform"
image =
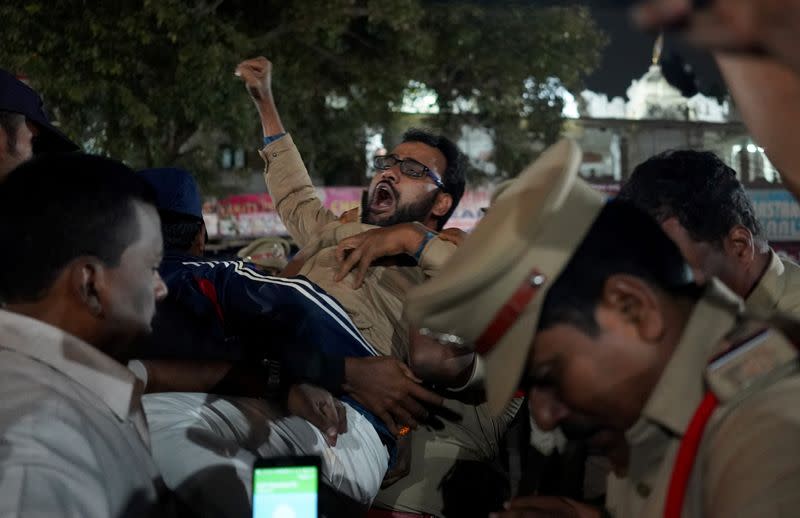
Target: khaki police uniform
[
  {"x": 377, "y": 310},
  {"x": 748, "y": 461},
  {"x": 778, "y": 289}
]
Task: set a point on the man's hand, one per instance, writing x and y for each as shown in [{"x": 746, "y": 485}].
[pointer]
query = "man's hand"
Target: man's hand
[
  {"x": 388, "y": 389},
  {"x": 442, "y": 364},
  {"x": 771, "y": 26},
  {"x": 767, "y": 96},
  {"x": 320, "y": 408},
  {"x": 257, "y": 76},
  {"x": 717, "y": 24},
  {"x": 454, "y": 235},
  {"x": 359, "y": 251},
  {"x": 546, "y": 507}
]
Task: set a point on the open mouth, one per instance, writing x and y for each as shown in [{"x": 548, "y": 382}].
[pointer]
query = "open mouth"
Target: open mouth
[{"x": 383, "y": 198}]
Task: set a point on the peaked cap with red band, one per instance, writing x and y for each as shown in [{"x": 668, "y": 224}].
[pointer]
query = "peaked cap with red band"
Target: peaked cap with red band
[
  {"x": 270, "y": 252},
  {"x": 489, "y": 294}
]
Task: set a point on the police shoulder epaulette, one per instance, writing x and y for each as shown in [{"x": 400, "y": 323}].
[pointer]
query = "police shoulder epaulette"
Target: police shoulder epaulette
[{"x": 758, "y": 356}]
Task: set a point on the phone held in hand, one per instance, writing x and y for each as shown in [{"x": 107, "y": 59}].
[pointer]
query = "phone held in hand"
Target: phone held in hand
[{"x": 286, "y": 487}]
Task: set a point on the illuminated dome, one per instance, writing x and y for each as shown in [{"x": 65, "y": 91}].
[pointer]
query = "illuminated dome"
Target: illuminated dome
[{"x": 652, "y": 97}]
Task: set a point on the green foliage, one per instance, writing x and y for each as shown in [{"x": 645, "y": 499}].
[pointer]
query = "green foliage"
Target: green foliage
[
  {"x": 134, "y": 80},
  {"x": 151, "y": 81},
  {"x": 509, "y": 61}
]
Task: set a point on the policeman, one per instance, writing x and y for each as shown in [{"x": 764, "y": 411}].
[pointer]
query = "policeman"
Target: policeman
[
  {"x": 703, "y": 207},
  {"x": 591, "y": 308},
  {"x": 24, "y": 125}
]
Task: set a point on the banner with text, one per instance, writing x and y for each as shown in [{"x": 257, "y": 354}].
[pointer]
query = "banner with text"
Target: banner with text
[{"x": 778, "y": 212}]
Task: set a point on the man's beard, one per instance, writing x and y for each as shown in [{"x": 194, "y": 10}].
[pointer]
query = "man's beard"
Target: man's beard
[{"x": 409, "y": 213}]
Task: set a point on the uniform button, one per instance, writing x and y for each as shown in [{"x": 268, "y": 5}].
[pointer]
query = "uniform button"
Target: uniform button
[
  {"x": 643, "y": 489},
  {"x": 274, "y": 155}
]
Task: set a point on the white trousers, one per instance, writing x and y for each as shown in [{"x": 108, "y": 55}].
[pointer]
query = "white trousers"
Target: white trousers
[{"x": 205, "y": 446}]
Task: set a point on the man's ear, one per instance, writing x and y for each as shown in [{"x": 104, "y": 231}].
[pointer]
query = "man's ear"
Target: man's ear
[
  {"x": 87, "y": 279},
  {"x": 740, "y": 244},
  {"x": 199, "y": 243},
  {"x": 635, "y": 301},
  {"x": 3, "y": 142},
  {"x": 442, "y": 204}
]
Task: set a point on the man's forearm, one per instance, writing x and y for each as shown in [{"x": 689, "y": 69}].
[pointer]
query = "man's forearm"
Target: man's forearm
[
  {"x": 270, "y": 118},
  {"x": 184, "y": 375},
  {"x": 219, "y": 377},
  {"x": 767, "y": 95},
  {"x": 439, "y": 363}
]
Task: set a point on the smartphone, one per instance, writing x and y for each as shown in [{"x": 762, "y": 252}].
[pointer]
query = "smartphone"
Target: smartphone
[{"x": 286, "y": 487}]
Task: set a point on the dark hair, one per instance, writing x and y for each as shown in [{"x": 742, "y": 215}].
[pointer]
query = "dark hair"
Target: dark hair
[
  {"x": 58, "y": 207},
  {"x": 454, "y": 177},
  {"x": 10, "y": 123},
  {"x": 622, "y": 240},
  {"x": 179, "y": 230},
  {"x": 698, "y": 189}
]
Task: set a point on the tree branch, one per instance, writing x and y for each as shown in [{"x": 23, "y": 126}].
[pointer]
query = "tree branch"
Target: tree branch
[{"x": 265, "y": 38}]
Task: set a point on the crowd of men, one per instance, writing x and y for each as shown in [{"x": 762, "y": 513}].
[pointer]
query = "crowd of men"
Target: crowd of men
[{"x": 655, "y": 331}]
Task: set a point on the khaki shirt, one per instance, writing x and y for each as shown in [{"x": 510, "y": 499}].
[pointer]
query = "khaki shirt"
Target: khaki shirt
[
  {"x": 748, "y": 463},
  {"x": 778, "y": 289},
  {"x": 73, "y": 436},
  {"x": 377, "y": 307}
]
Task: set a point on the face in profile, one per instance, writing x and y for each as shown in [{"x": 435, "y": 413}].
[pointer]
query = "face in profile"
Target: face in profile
[
  {"x": 594, "y": 385},
  {"x": 18, "y": 148},
  {"x": 132, "y": 288}
]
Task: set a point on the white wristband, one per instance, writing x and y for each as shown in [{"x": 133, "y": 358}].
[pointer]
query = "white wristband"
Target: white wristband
[{"x": 139, "y": 370}]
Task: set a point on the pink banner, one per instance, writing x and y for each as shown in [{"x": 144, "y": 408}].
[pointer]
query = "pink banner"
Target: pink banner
[{"x": 253, "y": 215}]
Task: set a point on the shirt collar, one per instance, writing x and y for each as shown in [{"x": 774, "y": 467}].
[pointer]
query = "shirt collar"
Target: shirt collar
[
  {"x": 103, "y": 376},
  {"x": 681, "y": 387},
  {"x": 769, "y": 288}
]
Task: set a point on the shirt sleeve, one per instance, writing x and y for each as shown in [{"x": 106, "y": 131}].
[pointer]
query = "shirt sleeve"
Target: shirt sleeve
[
  {"x": 293, "y": 194},
  {"x": 435, "y": 254},
  {"x": 269, "y": 139},
  {"x": 271, "y": 311}
]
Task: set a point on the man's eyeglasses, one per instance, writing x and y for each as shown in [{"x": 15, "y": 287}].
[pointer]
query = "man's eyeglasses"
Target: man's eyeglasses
[{"x": 408, "y": 167}]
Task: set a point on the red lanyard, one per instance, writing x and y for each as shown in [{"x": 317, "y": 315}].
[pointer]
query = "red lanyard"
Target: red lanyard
[{"x": 687, "y": 452}]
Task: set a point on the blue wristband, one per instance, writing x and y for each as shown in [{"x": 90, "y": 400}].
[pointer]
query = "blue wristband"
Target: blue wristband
[
  {"x": 272, "y": 138},
  {"x": 428, "y": 236}
]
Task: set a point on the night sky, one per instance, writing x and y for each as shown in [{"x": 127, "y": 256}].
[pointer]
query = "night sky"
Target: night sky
[{"x": 629, "y": 51}]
